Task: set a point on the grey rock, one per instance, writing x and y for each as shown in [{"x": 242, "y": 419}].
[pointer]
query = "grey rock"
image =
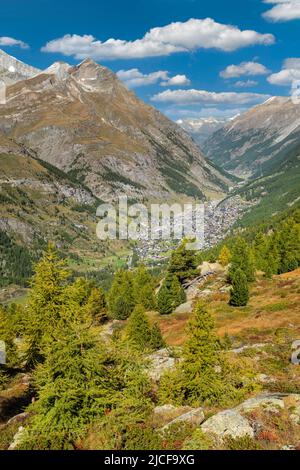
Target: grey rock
[
  {"x": 268, "y": 402},
  {"x": 17, "y": 439},
  {"x": 228, "y": 423},
  {"x": 160, "y": 362},
  {"x": 195, "y": 416},
  {"x": 187, "y": 307}
]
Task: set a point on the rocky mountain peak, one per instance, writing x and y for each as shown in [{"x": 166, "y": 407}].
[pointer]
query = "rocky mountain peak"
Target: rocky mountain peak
[{"x": 13, "y": 70}]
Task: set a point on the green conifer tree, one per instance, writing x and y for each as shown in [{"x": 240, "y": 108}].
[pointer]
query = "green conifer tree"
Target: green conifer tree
[
  {"x": 164, "y": 300},
  {"x": 242, "y": 258},
  {"x": 138, "y": 328},
  {"x": 121, "y": 300},
  {"x": 177, "y": 292},
  {"x": 44, "y": 306},
  {"x": 143, "y": 288},
  {"x": 239, "y": 295},
  {"x": 156, "y": 341},
  {"x": 183, "y": 262},
  {"x": 201, "y": 359}
]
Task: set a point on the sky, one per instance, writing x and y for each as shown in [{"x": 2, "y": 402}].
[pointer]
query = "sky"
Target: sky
[{"x": 189, "y": 58}]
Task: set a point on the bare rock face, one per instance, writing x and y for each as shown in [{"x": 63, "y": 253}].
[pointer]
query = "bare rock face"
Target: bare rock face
[{"x": 84, "y": 121}]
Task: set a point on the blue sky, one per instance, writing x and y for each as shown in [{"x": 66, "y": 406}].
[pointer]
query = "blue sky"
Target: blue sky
[{"x": 198, "y": 53}]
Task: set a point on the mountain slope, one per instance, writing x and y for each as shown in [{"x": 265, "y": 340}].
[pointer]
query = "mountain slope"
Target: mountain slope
[
  {"x": 273, "y": 193},
  {"x": 84, "y": 121},
  {"x": 257, "y": 141},
  {"x": 13, "y": 70},
  {"x": 39, "y": 203}
]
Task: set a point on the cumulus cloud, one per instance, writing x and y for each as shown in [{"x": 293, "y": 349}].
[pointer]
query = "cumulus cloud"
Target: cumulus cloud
[
  {"x": 245, "y": 83},
  {"x": 289, "y": 73},
  {"x": 245, "y": 68},
  {"x": 204, "y": 113},
  {"x": 161, "y": 41},
  {"x": 283, "y": 10},
  {"x": 192, "y": 97},
  {"x": 177, "y": 80},
  {"x": 7, "y": 41},
  {"x": 134, "y": 78}
]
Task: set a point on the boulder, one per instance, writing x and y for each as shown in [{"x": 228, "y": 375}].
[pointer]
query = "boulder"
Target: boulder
[
  {"x": 268, "y": 402},
  {"x": 194, "y": 416},
  {"x": 160, "y": 362},
  {"x": 228, "y": 423},
  {"x": 210, "y": 268},
  {"x": 187, "y": 307}
]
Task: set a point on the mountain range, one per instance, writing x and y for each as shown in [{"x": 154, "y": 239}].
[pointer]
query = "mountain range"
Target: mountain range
[
  {"x": 201, "y": 129},
  {"x": 75, "y": 135},
  {"x": 84, "y": 121}
]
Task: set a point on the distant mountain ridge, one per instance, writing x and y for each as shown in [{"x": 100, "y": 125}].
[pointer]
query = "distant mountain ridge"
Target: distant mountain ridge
[
  {"x": 201, "y": 129},
  {"x": 256, "y": 141}
]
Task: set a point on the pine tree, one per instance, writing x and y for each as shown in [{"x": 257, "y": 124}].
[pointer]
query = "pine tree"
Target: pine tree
[
  {"x": 75, "y": 384},
  {"x": 143, "y": 288},
  {"x": 45, "y": 301},
  {"x": 242, "y": 258},
  {"x": 164, "y": 300},
  {"x": 96, "y": 305},
  {"x": 201, "y": 359},
  {"x": 177, "y": 292},
  {"x": 183, "y": 262},
  {"x": 156, "y": 341},
  {"x": 138, "y": 328},
  {"x": 224, "y": 256},
  {"x": 121, "y": 300},
  {"x": 239, "y": 295}
]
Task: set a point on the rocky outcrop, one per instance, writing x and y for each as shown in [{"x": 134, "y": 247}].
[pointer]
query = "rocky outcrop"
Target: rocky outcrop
[
  {"x": 236, "y": 422},
  {"x": 195, "y": 417},
  {"x": 228, "y": 423},
  {"x": 160, "y": 362}
]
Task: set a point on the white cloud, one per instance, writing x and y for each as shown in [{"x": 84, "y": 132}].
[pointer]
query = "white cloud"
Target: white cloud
[
  {"x": 177, "y": 80},
  {"x": 162, "y": 41},
  {"x": 283, "y": 10},
  {"x": 245, "y": 83},
  {"x": 133, "y": 78},
  {"x": 289, "y": 73},
  {"x": 192, "y": 97},
  {"x": 245, "y": 68},
  {"x": 204, "y": 113},
  {"x": 7, "y": 41}
]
